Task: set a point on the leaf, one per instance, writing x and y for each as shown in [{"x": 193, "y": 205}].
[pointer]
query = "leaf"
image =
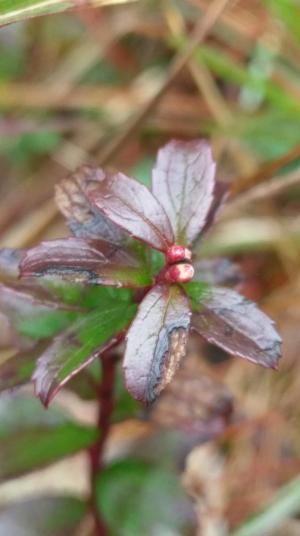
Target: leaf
[
  {"x": 141, "y": 498},
  {"x": 31, "y": 438},
  {"x": 18, "y": 369},
  {"x": 131, "y": 205},
  {"x": 32, "y": 317},
  {"x": 17, "y": 10},
  {"x": 46, "y": 516},
  {"x": 83, "y": 219},
  {"x": 232, "y": 322},
  {"x": 77, "y": 347},
  {"x": 216, "y": 271},
  {"x": 84, "y": 261},
  {"x": 156, "y": 342},
  {"x": 184, "y": 180}
]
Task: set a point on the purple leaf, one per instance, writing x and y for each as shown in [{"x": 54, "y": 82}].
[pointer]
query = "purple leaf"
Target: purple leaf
[
  {"x": 83, "y": 219},
  {"x": 232, "y": 322},
  {"x": 184, "y": 180},
  {"x": 131, "y": 205},
  {"x": 78, "y": 346},
  {"x": 156, "y": 342},
  {"x": 216, "y": 271},
  {"x": 85, "y": 261}
]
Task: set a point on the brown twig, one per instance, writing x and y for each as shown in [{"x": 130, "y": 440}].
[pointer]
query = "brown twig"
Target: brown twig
[
  {"x": 265, "y": 172},
  {"x": 105, "y": 393},
  {"x": 272, "y": 188}
]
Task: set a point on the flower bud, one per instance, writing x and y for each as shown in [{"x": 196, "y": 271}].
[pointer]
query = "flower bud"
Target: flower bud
[
  {"x": 177, "y": 253},
  {"x": 179, "y": 273}
]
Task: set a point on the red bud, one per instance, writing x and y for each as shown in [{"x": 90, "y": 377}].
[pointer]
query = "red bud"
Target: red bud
[
  {"x": 179, "y": 273},
  {"x": 177, "y": 253}
]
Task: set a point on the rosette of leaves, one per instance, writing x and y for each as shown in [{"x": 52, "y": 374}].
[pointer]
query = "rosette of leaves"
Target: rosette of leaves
[{"x": 134, "y": 247}]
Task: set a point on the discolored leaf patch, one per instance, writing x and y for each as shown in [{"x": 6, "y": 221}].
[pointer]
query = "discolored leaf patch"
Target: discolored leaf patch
[
  {"x": 235, "y": 324},
  {"x": 83, "y": 219},
  {"x": 85, "y": 261},
  {"x": 183, "y": 180},
  {"x": 130, "y": 204},
  {"x": 156, "y": 342}
]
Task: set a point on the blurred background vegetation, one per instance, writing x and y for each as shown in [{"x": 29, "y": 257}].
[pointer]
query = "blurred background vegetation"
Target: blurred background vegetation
[{"x": 97, "y": 84}]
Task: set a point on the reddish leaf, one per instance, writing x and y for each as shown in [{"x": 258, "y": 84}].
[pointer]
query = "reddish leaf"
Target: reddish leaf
[
  {"x": 235, "y": 324},
  {"x": 216, "y": 271},
  {"x": 156, "y": 342},
  {"x": 78, "y": 346},
  {"x": 131, "y": 205},
  {"x": 83, "y": 219},
  {"x": 85, "y": 261},
  {"x": 184, "y": 181}
]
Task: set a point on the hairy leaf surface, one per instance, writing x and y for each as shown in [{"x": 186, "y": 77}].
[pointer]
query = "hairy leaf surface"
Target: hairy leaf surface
[
  {"x": 184, "y": 181},
  {"x": 156, "y": 342},
  {"x": 77, "y": 347},
  {"x": 85, "y": 261},
  {"x": 131, "y": 205},
  {"x": 232, "y": 322}
]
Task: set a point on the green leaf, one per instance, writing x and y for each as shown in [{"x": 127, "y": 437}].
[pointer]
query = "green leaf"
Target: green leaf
[
  {"x": 18, "y": 368},
  {"x": 31, "y": 437},
  {"x": 15, "y": 10},
  {"x": 46, "y": 325},
  {"x": 142, "y": 171},
  {"x": 78, "y": 346},
  {"x": 42, "y": 516},
  {"x": 222, "y": 65},
  {"x": 139, "y": 498},
  {"x": 284, "y": 506},
  {"x": 287, "y": 11},
  {"x": 33, "y": 317},
  {"x": 196, "y": 291}
]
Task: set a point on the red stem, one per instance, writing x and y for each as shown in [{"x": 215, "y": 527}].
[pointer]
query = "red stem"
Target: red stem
[{"x": 105, "y": 407}]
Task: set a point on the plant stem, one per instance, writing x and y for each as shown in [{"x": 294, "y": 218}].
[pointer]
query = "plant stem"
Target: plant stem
[{"x": 105, "y": 392}]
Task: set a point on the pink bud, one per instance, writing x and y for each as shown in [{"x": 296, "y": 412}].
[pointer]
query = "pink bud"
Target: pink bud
[
  {"x": 180, "y": 273},
  {"x": 177, "y": 253}
]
